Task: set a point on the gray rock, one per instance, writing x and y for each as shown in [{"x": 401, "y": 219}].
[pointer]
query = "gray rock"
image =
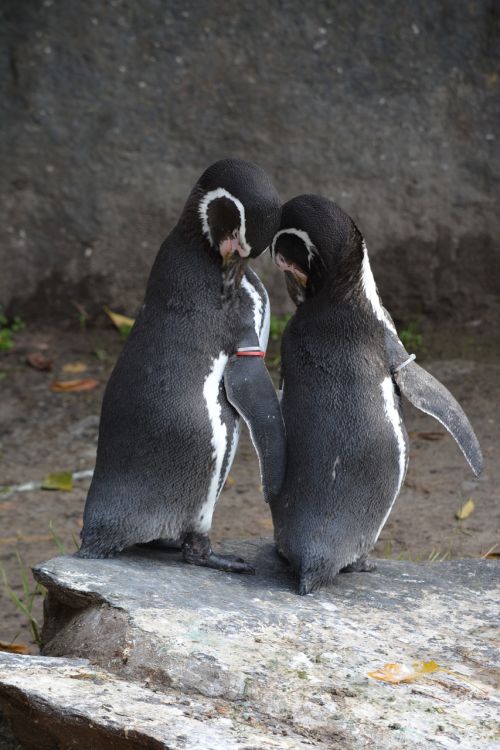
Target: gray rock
[
  {"x": 292, "y": 664},
  {"x": 62, "y": 703},
  {"x": 110, "y": 112}
]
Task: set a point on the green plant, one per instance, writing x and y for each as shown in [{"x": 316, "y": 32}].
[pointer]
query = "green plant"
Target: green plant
[
  {"x": 278, "y": 325},
  {"x": 411, "y": 336},
  {"x": 125, "y": 329},
  {"x": 7, "y": 328},
  {"x": 24, "y": 602},
  {"x": 57, "y": 539},
  {"x": 100, "y": 354}
]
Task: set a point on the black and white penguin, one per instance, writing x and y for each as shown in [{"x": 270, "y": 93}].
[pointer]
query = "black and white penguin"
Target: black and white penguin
[
  {"x": 192, "y": 364},
  {"x": 344, "y": 369}
]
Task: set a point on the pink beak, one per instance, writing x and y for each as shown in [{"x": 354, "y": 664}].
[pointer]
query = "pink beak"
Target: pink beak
[
  {"x": 284, "y": 265},
  {"x": 230, "y": 246}
]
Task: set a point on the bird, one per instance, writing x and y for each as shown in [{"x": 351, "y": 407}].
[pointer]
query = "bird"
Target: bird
[
  {"x": 192, "y": 366},
  {"x": 344, "y": 371}
]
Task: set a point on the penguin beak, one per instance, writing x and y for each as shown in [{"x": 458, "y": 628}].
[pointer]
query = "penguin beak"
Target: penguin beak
[
  {"x": 231, "y": 249},
  {"x": 291, "y": 268}
]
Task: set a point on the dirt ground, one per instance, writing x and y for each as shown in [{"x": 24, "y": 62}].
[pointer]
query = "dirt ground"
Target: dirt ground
[{"x": 44, "y": 432}]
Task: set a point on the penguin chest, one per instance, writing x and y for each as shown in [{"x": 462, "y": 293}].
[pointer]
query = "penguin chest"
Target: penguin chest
[
  {"x": 224, "y": 428},
  {"x": 393, "y": 418}
]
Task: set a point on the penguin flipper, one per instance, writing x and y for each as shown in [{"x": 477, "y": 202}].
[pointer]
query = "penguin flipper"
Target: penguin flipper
[
  {"x": 250, "y": 390},
  {"x": 431, "y": 397}
]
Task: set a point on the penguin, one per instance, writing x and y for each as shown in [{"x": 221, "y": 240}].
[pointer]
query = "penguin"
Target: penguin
[
  {"x": 191, "y": 367},
  {"x": 344, "y": 371}
]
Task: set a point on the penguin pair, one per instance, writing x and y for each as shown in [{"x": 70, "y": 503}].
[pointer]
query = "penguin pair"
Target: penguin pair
[
  {"x": 344, "y": 371},
  {"x": 191, "y": 367}
]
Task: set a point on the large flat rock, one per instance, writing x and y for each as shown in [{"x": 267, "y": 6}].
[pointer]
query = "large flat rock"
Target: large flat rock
[
  {"x": 71, "y": 704},
  {"x": 289, "y": 664}
]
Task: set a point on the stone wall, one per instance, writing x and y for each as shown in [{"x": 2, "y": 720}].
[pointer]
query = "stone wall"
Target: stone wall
[{"x": 110, "y": 110}]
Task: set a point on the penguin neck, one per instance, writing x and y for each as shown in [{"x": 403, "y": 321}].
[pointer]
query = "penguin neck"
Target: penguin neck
[{"x": 352, "y": 283}]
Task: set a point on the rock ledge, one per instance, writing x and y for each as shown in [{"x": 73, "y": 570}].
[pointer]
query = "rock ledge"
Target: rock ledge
[{"x": 155, "y": 653}]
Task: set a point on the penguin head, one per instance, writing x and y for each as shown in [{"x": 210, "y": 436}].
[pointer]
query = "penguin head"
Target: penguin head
[
  {"x": 318, "y": 247},
  {"x": 239, "y": 209}
]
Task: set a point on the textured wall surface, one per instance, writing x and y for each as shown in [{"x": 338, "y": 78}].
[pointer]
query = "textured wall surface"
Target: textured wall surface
[{"x": 110, "y": 110}]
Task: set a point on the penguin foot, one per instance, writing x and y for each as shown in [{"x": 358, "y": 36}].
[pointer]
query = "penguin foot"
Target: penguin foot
[
  {"x": 362, "y": 565},
  {"x": 197, "y": 550}
]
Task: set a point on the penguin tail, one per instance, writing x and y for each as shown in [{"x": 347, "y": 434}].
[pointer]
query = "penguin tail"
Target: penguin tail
[{"x": 314, "y": 579}]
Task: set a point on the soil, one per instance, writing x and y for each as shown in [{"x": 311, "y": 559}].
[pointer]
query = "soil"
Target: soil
[{"x": 45, "y": 432}]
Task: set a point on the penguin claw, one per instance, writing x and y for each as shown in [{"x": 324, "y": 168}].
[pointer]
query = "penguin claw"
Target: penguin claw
[
  {"x": 228, "y": 563},
  {"x": 197, "y": 550},
  {"x": 363, "y": 565}
]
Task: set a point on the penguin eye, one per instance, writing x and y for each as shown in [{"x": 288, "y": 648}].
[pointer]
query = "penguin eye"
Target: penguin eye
[
  {"x": 293, "y": 251},
  {"x": 223, "y": 219}
]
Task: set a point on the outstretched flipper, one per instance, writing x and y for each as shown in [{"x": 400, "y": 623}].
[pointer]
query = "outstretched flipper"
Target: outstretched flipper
[
  {"x": 250, "y": 390},
  {"x": 431, "y": 397}
]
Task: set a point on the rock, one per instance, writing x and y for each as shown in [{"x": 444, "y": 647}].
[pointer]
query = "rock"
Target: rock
[
  {"x": 70, "y": 704},
  {"x": 272, "y": 660},
  {"x": 110, "y": 113}
]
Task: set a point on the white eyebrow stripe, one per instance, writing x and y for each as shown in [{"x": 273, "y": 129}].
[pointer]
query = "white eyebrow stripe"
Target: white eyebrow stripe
[
  {"x": 203, "y": 213},
  {"x": 311, "y": 249}
]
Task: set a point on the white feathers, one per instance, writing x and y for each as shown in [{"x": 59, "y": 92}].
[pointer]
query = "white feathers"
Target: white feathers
[
  {"x": 203, "y": 212},
  {"x": 230, "y": 458},
  {"x": 370, "y": 289},
  {"x": 261, "y": 311},
  {"x": 311, "y": 250},
  {"x": 394, "y": 417},
  {"x": 211, "y": 388}
]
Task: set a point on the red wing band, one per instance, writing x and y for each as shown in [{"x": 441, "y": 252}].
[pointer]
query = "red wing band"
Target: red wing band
[{"x": 250, "y": 351}]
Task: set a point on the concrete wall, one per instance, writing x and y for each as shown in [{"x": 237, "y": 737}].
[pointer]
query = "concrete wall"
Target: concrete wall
[{"x": 111, "y": 109}]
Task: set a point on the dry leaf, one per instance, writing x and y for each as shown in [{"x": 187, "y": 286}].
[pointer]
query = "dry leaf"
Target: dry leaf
[
  {"x": 60, "y": 480},
  {"x": 465, "y": 510},
  {"x": 39, "y": 362},
  {"x": 67, "y": 386},
  {"x": 120, "y": 321},
  {"x": 395, "y": 673},
  {"x": 14, "y": 648},
  {"x": 75, "y": 367}
]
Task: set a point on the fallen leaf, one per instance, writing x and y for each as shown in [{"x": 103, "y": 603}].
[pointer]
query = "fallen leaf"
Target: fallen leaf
[
  {"x": 39, "y": 362},
  {"x": 230, "y": 481},
  {"x": 267, "y": 523},
  {"x": 465, "y": 510},
  {"x": 74, "y": 367},
  {"x": 395, "y": 673},
  {"x": 14, "y": 648},
  {"x": 67, "y": 386},
  {"x": 60, "y": 480},
  {"x": 118, "y": 320}
]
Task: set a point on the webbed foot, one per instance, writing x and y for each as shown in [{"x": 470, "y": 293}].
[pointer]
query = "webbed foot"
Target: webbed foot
[
  {"x": 197, "y": 550},
  {"x": 362, "y": 565}
]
